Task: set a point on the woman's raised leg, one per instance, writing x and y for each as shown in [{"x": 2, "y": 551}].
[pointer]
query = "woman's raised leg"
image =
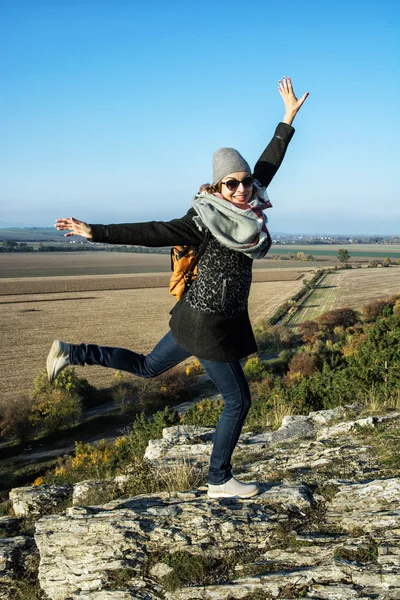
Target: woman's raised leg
[{"x": 166, "y": 354}]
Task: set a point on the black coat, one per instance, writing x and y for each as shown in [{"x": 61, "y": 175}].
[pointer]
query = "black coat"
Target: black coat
[{"x": 211, "y": 320}]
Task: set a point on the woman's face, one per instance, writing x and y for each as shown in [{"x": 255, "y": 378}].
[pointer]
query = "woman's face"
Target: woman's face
[{"x": 243, "y": 193}]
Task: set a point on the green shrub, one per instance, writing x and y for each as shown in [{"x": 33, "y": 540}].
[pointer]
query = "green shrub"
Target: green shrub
[
  {"x": 199, "y": 569},
  {"x": 270, "y": 403},
  {"x": 125, "y": 394},
  {"x": 55, "y": 409},
  {"x": 273, "y": 338},
  {"x": 105, "y": 460},
  {"x": 205, "y": 413},
  {"x": 365, "y": 554},
  {"x": 4, "y": 508},
  {"x": 142, "y": 430},
  {"x": 49, "y": 407},
  {"x": 254, "y": 368},
  {"x": 67, "y": 381},
  {"x": 135, "y": 394}
]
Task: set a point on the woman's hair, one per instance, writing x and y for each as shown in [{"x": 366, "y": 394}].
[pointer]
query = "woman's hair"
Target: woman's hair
[{"x": 210, "y": 188}]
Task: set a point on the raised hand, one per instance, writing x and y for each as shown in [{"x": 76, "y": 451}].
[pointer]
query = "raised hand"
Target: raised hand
[
  {"x": 291, "y": 102},
  {"x": 76, "y": 227}
]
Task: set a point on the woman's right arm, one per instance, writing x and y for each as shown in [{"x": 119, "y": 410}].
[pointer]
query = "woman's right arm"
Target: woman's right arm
[
  {"x": 152, "y": 233},
  {"x": 272, "y": 157}
]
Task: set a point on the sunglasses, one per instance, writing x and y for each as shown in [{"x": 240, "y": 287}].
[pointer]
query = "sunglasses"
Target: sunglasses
[{"x": 233, "y": 184}]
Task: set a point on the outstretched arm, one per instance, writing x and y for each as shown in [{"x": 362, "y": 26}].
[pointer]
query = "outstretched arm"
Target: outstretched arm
[
  {"x": 152, "y": 234},
  {"x": 272, "y": 157}
]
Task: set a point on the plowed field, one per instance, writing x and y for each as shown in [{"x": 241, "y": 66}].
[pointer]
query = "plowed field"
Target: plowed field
[
  {"x": 349, "y": 288},
  {"x": 131, "y": 318}
]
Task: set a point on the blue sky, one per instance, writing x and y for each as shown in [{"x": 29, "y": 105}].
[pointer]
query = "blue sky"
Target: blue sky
[{"x": 110, "y": 110}]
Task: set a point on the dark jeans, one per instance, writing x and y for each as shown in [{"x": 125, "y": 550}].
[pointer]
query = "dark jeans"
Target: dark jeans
[{"x": 227, "y": 376}]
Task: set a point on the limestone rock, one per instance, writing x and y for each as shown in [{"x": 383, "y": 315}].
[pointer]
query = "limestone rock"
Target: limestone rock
[
  {"x": 35, "y": 501},
  {"x": 322, "y": 417},
  {"x": 79, "y": 550},
  {"x": 343, "y": 428},
  {"x": 13, "y": 552},
  {"x": 114, "y": 595},
  {"x": 182, "y": 441},
  {"x": 292, "y": 427},
  {"x": 372, "y": 506},
  {"x": 326, "y": 524},
  {"x": 160, "y": 570},
  {"x": 8, "y": 526},
  {"x": 93, "y": 492}
]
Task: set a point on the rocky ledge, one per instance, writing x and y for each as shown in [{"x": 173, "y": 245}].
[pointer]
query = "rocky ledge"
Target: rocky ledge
[{"x": 326, "y": 524}]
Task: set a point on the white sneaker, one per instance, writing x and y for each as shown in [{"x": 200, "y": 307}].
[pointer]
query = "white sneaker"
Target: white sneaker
[
  {"x": 233, "y": 489},
  {"x": 57, "y": 359}
]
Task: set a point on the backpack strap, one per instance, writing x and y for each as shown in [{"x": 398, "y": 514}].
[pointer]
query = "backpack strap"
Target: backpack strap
[{"x": 201, "y": 251}]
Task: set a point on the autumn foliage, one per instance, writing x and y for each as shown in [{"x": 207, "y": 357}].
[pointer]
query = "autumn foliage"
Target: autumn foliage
[
  {"x": 339, "y": 316},
  {"x": 302, "y": 365},
  {"x": 308, "y": 331}
]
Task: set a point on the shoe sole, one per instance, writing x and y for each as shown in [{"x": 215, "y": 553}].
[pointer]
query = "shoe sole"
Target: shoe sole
[
  {"x": 225, "y": 495},
  {"x": 54, "y": 354}
]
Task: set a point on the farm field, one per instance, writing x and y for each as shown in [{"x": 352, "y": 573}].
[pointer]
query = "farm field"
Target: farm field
[
  {"x": 40, "y": 285},
  {"x": 349, "y": 288},
  {"x": 73, "y": 264},
  {"x": 357, "y": 251},
  {"x": 132, "y": 318},
  {"x": 86, "y": 264}
]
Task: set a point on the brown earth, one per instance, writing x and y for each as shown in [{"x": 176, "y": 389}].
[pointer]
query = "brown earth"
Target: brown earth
[
  {"x": 349, "y": 288},
  {"x": 131, "y": 318},
  {"x": 40, "y": 285},
  {"x": 73, "y": 264}
]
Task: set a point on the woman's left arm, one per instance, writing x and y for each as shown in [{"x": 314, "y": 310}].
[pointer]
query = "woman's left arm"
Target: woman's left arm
[{"x": 272, "y": 157}]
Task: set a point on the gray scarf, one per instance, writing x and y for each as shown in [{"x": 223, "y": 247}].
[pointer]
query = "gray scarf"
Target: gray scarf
[{"x": 240, "y": 229}]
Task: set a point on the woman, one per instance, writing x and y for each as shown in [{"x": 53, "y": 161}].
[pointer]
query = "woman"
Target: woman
[{"x": 211, "y": 320}]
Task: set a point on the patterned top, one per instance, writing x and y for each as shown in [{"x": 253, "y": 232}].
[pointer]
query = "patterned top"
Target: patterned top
[{"x": 222, "y": 285}]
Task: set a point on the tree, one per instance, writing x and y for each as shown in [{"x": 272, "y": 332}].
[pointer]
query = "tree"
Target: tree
[
  {"x": 308, "y": 331},
  {"x": 58, "y": 404},
  {"x": 9, "y": 245},
  {"x": 15, "y": 417},
  {"x": 339, "y": 316},
  {"x": 302, "y": 365},
  {"x": 309, "y": 257},
  {"x": 56, "y": 410},
  {"x": 386, "y": 262},
  {"x": 300, "y": 256},
  {"x": 343, "y": 255},
  {"x": 370, "y": 312}
]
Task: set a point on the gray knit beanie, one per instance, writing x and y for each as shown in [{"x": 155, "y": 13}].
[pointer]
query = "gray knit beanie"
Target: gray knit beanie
[{"x": 228, "y": 160}]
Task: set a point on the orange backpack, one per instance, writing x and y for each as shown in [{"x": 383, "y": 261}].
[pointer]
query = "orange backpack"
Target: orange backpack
[{"x": 184, "y": 261}]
